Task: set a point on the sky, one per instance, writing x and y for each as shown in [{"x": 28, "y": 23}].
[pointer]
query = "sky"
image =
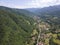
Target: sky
[{"x": 29, "y": 3}]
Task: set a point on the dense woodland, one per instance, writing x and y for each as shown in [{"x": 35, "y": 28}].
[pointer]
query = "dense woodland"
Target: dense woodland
[{"x": 15, "y": 28}]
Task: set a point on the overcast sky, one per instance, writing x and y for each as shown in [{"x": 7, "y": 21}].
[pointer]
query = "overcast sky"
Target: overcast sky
[{"x": 29, "y": 3}]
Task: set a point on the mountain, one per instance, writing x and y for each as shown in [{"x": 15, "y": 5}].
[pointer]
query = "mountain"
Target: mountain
[
  {"x": 51, "y": 10},
  {"x": 15, "y": 27},
  {"x": 19, "y": 11}
]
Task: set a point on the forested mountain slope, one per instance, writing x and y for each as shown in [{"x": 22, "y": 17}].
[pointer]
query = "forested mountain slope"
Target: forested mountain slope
[{"x": 15, "y": 28}]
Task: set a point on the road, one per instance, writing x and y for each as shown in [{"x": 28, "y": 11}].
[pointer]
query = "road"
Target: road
[{"x": 39, "y": 35}]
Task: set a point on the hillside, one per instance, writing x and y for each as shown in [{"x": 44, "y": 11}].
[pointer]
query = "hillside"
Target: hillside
[{"x": 15, "y": 28}]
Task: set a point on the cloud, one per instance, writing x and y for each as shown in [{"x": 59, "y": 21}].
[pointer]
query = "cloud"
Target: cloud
[
  {"x": 43, "y": 3},
  {"x": 29, "y": 3}
]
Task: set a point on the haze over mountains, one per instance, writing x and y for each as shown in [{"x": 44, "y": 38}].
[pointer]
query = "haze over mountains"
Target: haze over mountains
[{"x": 51, "y": 10}]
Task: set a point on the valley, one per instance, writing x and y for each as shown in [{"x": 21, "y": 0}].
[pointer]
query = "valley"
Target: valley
[{"x": 23, "y": 27}]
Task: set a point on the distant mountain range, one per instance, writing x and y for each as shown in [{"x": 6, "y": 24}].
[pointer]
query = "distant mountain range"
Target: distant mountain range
[{"x": 51, "y": 10}]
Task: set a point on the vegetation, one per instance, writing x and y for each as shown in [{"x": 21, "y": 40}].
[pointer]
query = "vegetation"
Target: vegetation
[
  {"x": 20, "y": 27},
  {"x": 15, "y": 28}
]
